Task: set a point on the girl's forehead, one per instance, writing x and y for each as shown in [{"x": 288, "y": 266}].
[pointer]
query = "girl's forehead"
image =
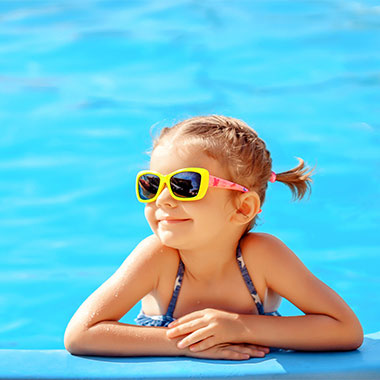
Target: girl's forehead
[{"x": 167, "y": 158}]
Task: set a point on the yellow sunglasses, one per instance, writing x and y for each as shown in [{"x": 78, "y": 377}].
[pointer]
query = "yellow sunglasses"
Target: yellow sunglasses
[{"x": 189, "y": 184}]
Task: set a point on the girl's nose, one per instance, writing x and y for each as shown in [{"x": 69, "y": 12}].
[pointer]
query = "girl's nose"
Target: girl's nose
[{"x": 165, "y": 198}]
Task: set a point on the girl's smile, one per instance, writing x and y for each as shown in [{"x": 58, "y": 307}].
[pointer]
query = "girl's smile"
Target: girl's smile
[{"x": 172, "y": 221}]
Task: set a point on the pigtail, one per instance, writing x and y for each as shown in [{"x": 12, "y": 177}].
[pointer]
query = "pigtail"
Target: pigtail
[{"x": 297, "y": 179}]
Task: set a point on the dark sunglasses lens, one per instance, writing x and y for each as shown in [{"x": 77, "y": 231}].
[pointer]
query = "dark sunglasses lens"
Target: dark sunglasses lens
[
  {"x": 148, "y": 186},
  {"x": 186, "y": 184}
]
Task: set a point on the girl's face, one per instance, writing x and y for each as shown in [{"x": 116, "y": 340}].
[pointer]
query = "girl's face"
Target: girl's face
[{"x": 187, "y": 225}]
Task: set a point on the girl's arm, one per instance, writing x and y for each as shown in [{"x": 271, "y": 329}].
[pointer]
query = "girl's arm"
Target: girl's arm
[
  {"x": 110, "y": 338},
  {"x": 94, "y": 329},
  {"x": 329, "y": 323}
]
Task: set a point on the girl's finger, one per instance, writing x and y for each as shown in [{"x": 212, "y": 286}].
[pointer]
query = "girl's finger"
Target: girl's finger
[
  {"x": 195, "y": 337},
  {"x": 261, "y": 348},
  {"x": 185, "y": 318},
  {"x": 252, "y": 352},
  {"x": 203, "y": 344},
  {"x": 229, "y": 354},
  {"x": 185, "y": 328}
]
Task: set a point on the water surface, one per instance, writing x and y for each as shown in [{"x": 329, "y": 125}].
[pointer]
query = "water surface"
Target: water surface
[{"x": 82, "y": 84}]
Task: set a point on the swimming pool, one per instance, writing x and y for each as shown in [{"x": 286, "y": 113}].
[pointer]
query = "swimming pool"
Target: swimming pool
[{"x": 81, "y": 85}]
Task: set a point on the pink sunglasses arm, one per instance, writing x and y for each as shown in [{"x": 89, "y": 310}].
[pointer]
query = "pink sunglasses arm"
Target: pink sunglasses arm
[{"x": 220, "y": 182}]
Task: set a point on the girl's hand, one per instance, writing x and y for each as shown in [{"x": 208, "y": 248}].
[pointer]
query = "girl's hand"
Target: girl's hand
[
  {"x": 207, "y": 328},
  {"x": 228, "y": 351}
]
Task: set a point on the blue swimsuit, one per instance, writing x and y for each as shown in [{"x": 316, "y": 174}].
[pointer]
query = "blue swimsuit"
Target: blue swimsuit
[{"x": 163, "y": 320}]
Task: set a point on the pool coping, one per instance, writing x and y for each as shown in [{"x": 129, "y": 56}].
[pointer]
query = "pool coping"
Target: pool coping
[{"x": 363, "y": 363}]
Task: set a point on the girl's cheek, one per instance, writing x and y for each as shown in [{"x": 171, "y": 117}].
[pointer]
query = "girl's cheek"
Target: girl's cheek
[{"x": 149, "y": 215}]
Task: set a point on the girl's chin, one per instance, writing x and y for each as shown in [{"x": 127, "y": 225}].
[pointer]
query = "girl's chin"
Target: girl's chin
[{"x": 170, "y": 239}]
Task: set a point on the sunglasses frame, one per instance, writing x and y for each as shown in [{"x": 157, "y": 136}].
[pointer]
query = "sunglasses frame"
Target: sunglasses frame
[{"x": 207, "y": 181}]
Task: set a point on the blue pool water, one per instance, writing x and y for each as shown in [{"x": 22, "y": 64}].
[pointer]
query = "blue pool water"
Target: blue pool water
[{"x": 83, "y": 82}]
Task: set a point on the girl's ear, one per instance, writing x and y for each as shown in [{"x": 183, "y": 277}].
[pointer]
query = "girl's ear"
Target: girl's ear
[{"x": 247, "y": 207}]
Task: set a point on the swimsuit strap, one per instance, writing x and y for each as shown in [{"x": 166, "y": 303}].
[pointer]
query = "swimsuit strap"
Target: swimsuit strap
[
  {"x": 177, "y": 288},
  {"x": 248, "y": 281}
]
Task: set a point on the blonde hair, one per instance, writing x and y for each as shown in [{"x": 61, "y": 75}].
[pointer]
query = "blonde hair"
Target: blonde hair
[{"x": 238, "y": 147}]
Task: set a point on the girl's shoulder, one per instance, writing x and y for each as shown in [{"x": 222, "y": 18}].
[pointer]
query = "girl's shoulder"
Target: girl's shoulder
[
  {"x": 153, "y": 251},
  {"x": 260, "y": 241},
  {"x": 259, "y": 251},
  {"x": 274, "y": 260},
  {"x": 262, "y": 248},
  {"x": 150, "y": 257}
]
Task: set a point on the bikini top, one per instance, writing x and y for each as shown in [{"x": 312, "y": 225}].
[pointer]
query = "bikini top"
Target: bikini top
[{"x": 164, "y": 320}]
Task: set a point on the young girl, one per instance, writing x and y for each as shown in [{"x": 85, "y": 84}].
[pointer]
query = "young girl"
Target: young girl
[{"x": 203, "y": 192}]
